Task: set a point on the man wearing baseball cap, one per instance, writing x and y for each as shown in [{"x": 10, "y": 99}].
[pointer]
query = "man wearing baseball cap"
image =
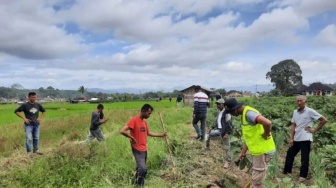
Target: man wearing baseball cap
[
  {"x": 222, "y": 128},
  {"x": 256, "y": 131}
]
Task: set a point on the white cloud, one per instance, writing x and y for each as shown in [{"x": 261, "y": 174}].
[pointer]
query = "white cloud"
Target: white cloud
[
  {"x": 306, "y": 8},
  {"x": 327, "y": 36},
  {"x": 28, "y": 30},
  {"x": 318, "y": 71},
  {"x": 159, "y": 44},
  {"x": 280, "y": 23},
  {"x": 310, "y": 8},
  {"x": 237, "y": 67}
]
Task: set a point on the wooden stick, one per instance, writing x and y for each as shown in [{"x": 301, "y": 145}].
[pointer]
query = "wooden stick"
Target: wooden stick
[
  {"x": 248, "y": 184},
  {"x": 168, "y": 147}
]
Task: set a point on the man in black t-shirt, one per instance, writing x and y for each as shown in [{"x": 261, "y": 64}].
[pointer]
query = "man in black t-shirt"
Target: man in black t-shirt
[{"x": 32, "y": 122}]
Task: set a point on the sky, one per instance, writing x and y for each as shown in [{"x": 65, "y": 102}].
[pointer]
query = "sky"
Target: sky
[{"x": 163, "y": 44}]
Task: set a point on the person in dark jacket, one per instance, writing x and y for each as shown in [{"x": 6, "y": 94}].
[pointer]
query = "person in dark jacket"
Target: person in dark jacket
[
  {"x": 223, "y": 129},
  {"x": 97, "y": 119}
]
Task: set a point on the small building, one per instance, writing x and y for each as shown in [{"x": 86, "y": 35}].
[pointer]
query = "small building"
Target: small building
[
  {"x": 248, "y": 94},
  {"x": 234, "y": 93},
  {"x": 189, "y": 92},
  {"x": 317, "y": 88},
  {"x": 79, "y": 99},
  {"x": 299, "y": 90}
]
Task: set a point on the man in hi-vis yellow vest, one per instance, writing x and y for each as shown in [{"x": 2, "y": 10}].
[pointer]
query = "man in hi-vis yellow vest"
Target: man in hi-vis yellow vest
[{"x": 256, "y": 131}]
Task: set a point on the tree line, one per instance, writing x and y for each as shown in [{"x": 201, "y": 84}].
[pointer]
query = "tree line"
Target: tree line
[{"x": 18, "y": 92}]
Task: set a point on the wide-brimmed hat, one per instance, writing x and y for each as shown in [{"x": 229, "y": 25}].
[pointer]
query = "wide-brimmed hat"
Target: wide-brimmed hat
[{"x": 231, "y": 105}]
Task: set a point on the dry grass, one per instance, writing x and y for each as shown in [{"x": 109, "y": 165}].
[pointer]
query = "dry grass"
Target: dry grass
[{"x": 198, "y": 167}]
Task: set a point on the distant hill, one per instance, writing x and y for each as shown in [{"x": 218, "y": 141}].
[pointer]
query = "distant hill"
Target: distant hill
[{"x": 118, "y": 90}]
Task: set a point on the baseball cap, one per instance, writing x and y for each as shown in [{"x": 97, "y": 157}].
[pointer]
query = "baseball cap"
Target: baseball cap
[
  {"x": 232, "y": 104},
  {"x": 220, "y": 101}
]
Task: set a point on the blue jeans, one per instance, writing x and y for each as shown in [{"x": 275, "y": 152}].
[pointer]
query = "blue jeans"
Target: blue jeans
[
  {"x": 32, "y": 133},
  {"x": 202, "y": 118}
]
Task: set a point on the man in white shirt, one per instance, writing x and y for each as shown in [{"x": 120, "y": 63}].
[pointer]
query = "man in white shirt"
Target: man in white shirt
[
  {"x": 223, "y": 129},
  {"x": 301, "y": 136}
]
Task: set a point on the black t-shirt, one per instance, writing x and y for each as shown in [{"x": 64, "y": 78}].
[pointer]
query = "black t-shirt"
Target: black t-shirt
[
  {"x": 31, "y": 111},
  {"x": 179, "y": 99}
]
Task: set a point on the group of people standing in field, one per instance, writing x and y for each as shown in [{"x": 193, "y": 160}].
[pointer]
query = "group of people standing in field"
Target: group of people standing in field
[{"x": 256, "y": 132}]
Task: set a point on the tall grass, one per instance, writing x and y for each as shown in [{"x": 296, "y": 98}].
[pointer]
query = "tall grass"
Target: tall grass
[
  {"x": 72, "y": 164},
  {"x": 65, "y": 120}
]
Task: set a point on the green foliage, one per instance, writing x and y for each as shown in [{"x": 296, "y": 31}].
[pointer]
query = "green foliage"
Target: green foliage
[
  {"x": 245, "y": 163},
  {"x": 274, "y": 92},
  {"x": 326, "y": 136},
  {"x": 285, "y": 75},
  {"x": 280, "y": 182},
  {"x": 274, "y": 167},
  {"x": 212, "y": 114},
  {"x": 327, "y": 157},
  {"x": 319, "y": 174}
]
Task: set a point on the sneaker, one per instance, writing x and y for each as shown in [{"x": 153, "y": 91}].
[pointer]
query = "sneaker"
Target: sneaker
[
  {"x": 38, "y": 152},
  {"x": 198, "y": 137},
  {"x": 226, "y": 165},
  {"x": 302, "y": 179}
]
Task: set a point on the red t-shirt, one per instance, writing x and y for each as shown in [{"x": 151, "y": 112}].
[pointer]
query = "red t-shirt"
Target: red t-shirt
[{"x": 139, "y": 130}]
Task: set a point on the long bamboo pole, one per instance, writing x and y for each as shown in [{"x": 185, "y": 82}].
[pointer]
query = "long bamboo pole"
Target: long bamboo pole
[{"x": 167, "y": 142}]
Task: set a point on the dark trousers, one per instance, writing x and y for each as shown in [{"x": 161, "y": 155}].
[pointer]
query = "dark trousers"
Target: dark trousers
[
  {"x": 304, "y": 147},
  {"x": 202, "y": 118},
  {"x": 141, "y": 170}
]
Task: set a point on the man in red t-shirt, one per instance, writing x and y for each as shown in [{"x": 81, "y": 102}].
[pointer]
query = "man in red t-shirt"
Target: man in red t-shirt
[{"x": 137, "y": 130}]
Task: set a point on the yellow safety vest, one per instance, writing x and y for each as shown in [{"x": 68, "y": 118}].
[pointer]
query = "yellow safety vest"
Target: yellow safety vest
[{"x": 252, "y": 135}]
